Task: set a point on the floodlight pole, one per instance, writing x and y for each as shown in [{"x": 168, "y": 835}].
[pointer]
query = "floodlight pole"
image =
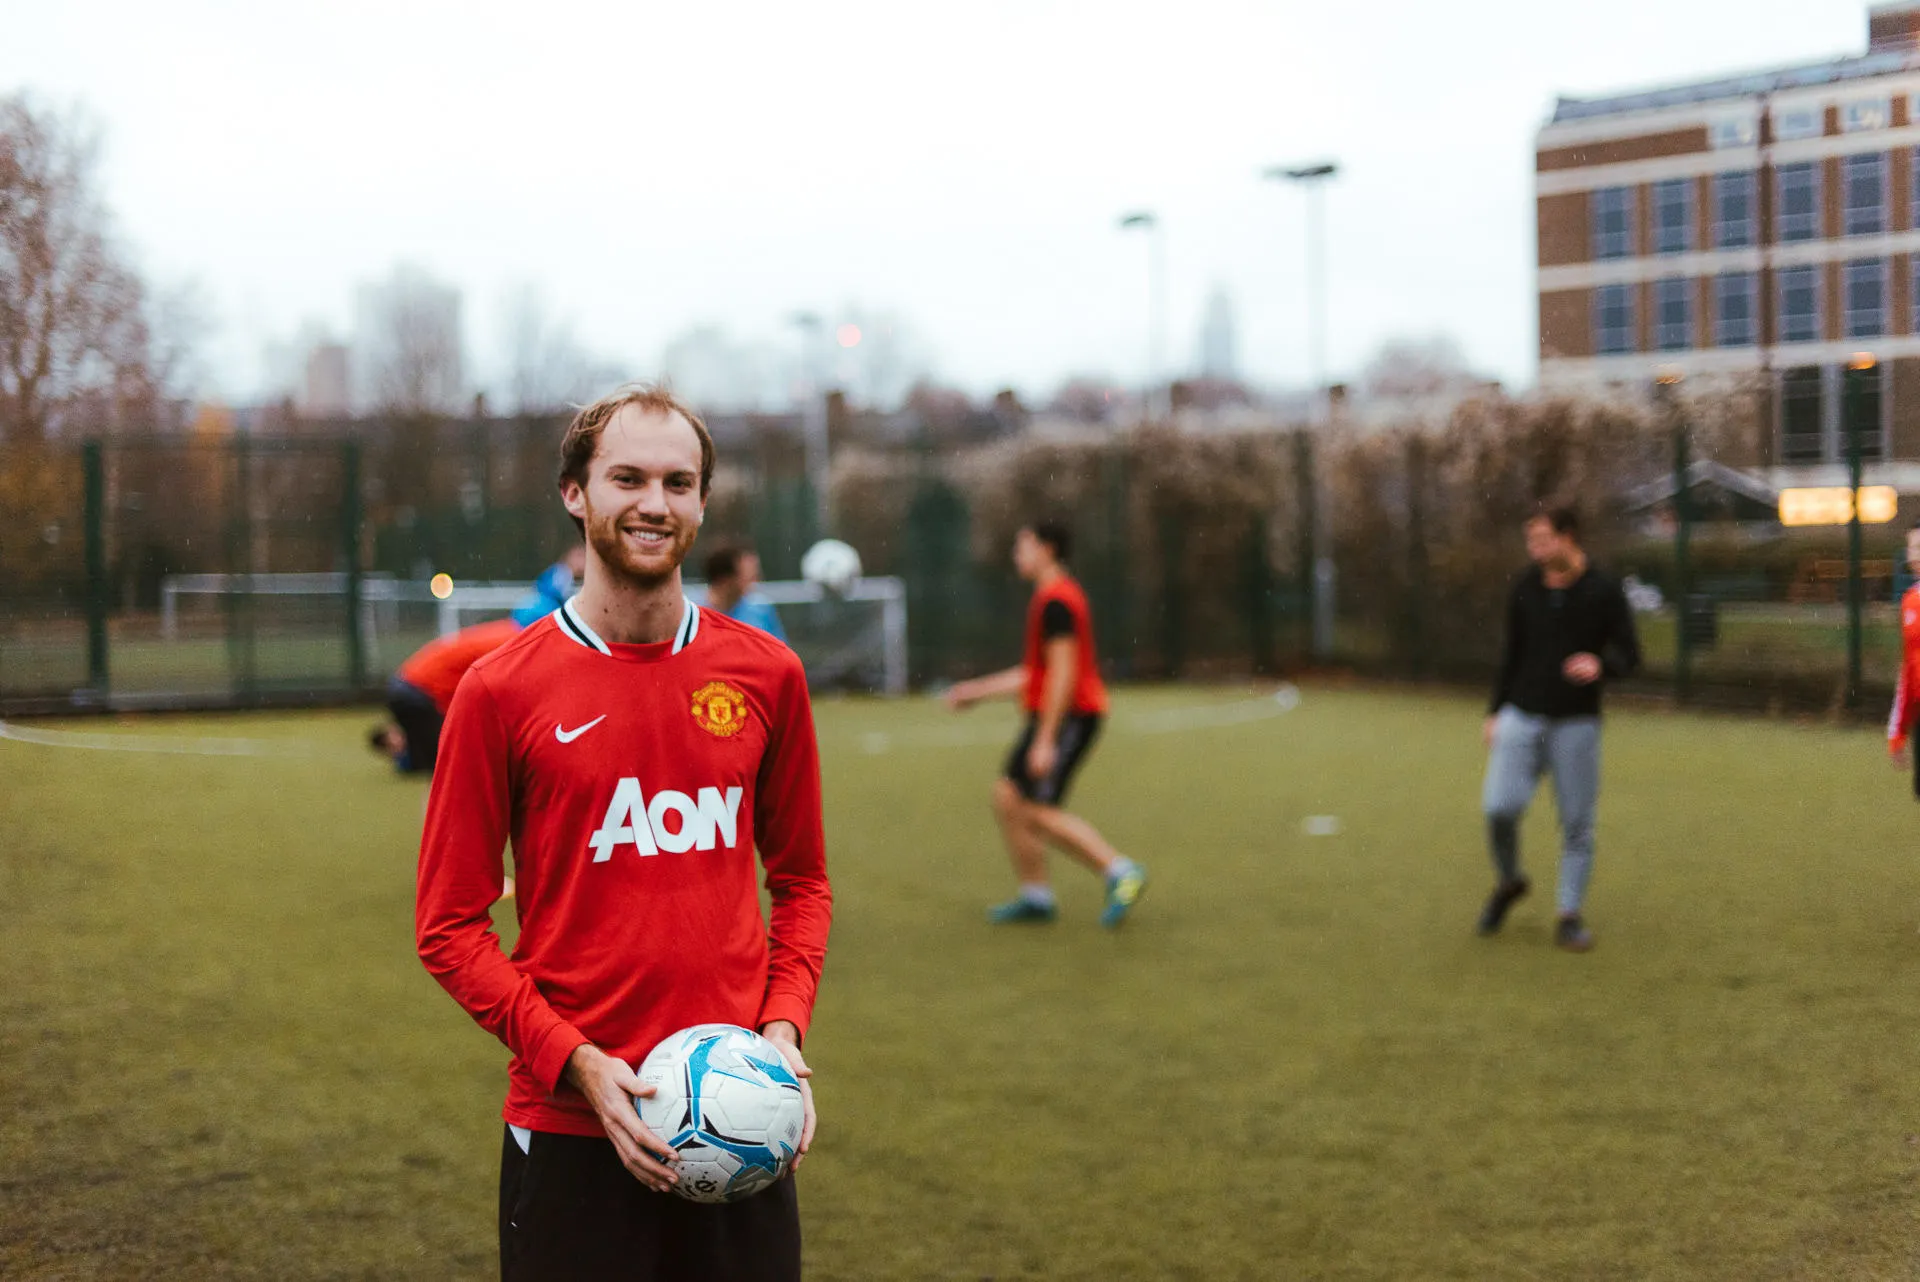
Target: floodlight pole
[
  {"x": 1157, "y": 401},
  {"x": 813, "y": 418},
  {"x": 1314, "y": 178},
  {"x": 1858, "y": 368}
]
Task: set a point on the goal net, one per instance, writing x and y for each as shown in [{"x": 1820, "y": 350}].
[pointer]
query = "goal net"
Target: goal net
[{"x": 251, "y": 633}]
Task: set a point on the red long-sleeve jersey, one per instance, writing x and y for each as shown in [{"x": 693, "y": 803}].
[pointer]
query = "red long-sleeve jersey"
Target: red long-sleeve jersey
[
  {"x": 635, "y": 782},
  {"x": 1906, "y": 694}
]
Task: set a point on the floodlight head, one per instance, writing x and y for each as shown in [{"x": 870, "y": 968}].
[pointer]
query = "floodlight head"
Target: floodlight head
[
  {"x": 1140, "y": 218},
  {"x": 1302, "y": 173}
]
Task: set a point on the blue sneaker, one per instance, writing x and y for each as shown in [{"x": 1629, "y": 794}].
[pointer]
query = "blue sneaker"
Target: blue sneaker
[
  {"x": 1015, "y": 911},
  {"x": 1123, "y": 891}
]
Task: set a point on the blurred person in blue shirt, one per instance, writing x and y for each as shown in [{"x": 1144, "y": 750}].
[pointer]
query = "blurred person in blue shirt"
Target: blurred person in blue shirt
[
  {"x": 732, "y": 573},
  {"x": 551, "y": 590}
]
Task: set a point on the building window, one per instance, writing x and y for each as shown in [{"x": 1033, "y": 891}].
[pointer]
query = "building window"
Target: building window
[
  {"x": 1866, "y": 113},
  {"x": 1732, "y": 211},
  {"x": 1799, "y": 202},
  {"x": 1613, "y": 320},
  {"x": 1913, "y": 187},
  {"x": 1802, "y": 434},
  {"x": 1799, "y": 122},
  {"x": 1866, "y": 284},
  {"x": 1913, "y": 293},
  {"x": 1866, "y": 194},
  {"x": 1673, "y": 314},
  {"x": 1613, "y": 222},
  {"x": 1800, "y": 305},
  {"x": 1733, "y": 131},
  {"x": 1734, "y": 313},
  {"x": 1673, "y": 216}
]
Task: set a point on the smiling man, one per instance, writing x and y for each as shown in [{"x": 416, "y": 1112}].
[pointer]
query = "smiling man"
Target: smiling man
[{"x": 635, "y": 749}]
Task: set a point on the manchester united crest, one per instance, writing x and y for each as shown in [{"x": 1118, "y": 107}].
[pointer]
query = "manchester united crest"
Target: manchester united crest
[{"x": 719, "y": 709}]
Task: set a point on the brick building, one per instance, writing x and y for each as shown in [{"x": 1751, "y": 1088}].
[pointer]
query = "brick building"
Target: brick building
[{"x": 1751, "y": 232}]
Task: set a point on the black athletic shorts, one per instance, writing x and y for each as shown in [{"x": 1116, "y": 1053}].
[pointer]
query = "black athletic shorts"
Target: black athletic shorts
[
  {"x": 419, "y": 720},
  {"x": 569, "y": 1210},
  {"x": 1078, "y": 730}
]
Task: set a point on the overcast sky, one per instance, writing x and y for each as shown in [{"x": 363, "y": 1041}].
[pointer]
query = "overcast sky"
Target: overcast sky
[{"x": 653, "y": 166}]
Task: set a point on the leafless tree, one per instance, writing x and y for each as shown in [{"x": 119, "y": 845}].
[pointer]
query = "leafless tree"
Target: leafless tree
[
  {"x": 408, "y": 344},
  {"x": 74, "y": 336},
  {"x": 1407, "y": 368},
  {"x": 547, "y": 368}
]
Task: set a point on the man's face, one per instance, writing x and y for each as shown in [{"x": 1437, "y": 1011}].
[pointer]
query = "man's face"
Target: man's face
[
  {"x": 1029, "y": 554},
  {"x": 641, "y": 503},
  {"x": 1546, "y": 546},
  {"x": 1913, "y": 550},
  {"x": 749, "y": 571}
]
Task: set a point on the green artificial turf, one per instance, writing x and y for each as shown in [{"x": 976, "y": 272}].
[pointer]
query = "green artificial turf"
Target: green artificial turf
[{"x": 222, "y": 1060}]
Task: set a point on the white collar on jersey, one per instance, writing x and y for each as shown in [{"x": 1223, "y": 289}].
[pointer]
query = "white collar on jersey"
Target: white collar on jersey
[{"x": 575, "y": 628}]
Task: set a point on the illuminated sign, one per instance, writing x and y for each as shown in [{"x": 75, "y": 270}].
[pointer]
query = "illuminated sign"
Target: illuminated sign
[{"x": 1833, "y": 505}]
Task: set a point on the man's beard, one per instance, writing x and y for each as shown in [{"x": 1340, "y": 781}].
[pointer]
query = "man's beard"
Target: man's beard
[{"x": 621, "y": 560}]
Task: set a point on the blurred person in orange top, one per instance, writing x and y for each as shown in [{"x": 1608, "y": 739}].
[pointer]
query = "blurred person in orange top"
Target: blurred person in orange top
[
  {"x": 419, "y": 693},
  {"x": 1906, "y": 694},
  {"x": 1059, "y": 687}
]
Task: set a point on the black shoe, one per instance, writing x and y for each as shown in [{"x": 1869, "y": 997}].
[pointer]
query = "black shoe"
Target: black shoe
[
  {"x": 1572, "y": 934},
  {"x": 1504, "y": 896}
]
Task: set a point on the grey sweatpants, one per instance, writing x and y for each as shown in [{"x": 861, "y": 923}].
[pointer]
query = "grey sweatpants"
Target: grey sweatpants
[{"x": 1524, "y": 747}]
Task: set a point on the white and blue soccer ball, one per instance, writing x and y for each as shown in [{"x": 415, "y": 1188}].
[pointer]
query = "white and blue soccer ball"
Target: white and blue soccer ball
[
  {"x": 725, "y": 1100},
  {"x": 832, "y": 564}
]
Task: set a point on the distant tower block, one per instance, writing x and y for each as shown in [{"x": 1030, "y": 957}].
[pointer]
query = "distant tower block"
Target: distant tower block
[{"x": 1219, "y": 345}]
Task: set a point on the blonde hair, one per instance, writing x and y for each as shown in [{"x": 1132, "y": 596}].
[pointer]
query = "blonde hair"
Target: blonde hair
[{"x": 583, "y": 433}]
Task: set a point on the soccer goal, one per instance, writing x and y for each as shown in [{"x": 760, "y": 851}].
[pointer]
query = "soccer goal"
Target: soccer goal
[{"x": 857, "y": 641}]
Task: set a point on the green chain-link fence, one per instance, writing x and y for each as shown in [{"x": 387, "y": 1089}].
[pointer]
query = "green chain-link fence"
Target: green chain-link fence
[{"x": 1196, "y": 549}]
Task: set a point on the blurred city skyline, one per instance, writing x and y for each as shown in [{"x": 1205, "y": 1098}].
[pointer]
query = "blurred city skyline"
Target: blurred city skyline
[{"x": 649, "y": 188}]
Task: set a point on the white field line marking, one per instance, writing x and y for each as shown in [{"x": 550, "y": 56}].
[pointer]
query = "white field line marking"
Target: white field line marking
[
  {"x": 1205, "y": 716},
  {"x": 199, "y": 747}
]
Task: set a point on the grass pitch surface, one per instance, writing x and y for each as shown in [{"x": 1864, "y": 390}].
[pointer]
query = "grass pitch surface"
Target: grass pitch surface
[{"x": 221, "y": 1059}]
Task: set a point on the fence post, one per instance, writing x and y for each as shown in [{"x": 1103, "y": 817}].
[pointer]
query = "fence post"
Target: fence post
[
  {"x": 94, "y": 471},
  {"x": 1419, "y": 649},
  {"x": 239, "y": 599},
  {"x": 1259, "y": 588},
  {"x": 1682, "y": 540},
  {"x": 1173, "y": 580},
  {"x": 1306, "y": 500},
  {"x": 1121, "y": 639},
  {"x": 1857, "y": 370},
  {"x": 350, "y": 518}
]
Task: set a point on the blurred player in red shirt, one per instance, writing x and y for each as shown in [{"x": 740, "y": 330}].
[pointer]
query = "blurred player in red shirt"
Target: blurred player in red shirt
[
  {"x": 1058, "y": 684},
  {"x": 636, "y": 750},
  {"x": 1906, "y": 694},
  {"x": 419, "y": 693}
]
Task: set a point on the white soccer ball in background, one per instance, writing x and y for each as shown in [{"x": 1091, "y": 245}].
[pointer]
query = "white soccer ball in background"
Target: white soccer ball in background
[
  {"x": 725, "y": 1100},
  {"x": 832, "y": 564}
]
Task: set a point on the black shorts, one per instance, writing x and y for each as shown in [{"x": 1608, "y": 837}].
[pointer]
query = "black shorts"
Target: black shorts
[
  {"x": 419, "y": 720},
  {"x": 1078, "y": 730},
  {"x": 570, "y": 1210}
]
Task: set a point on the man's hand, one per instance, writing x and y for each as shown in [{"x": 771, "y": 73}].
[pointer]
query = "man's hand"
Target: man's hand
[
  {"x": 1042, "y": 756},
  {"x": 611, "y": 1087},
  {"x": 1902, "y": 753},
  {"x": 1581, "y": 669},
  {"x": 1488, "y": 729},
  {"x": 786, "y": 1038},
  {"x": 960, "y": 696}
]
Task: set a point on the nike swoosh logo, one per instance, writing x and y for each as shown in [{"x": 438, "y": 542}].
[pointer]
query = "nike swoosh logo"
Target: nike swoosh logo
[{"x": 568, "y": 736}]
